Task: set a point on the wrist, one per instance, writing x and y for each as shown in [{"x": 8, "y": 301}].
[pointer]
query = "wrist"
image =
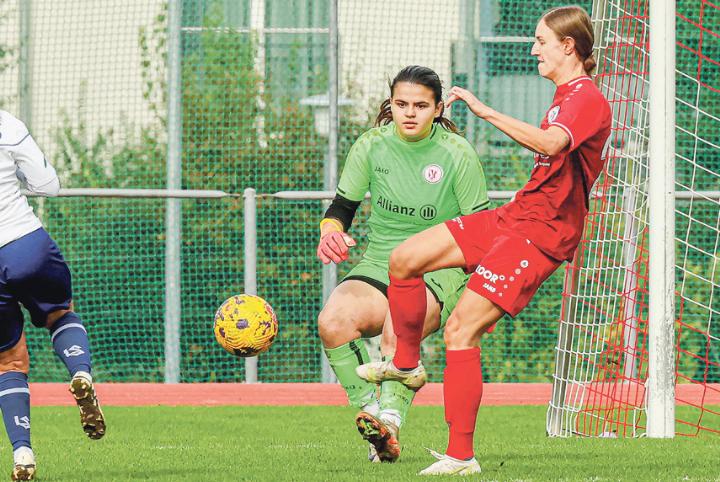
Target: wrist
[
  {"x": 486, "y": 113},
  {"x": 329, "y": 225}
]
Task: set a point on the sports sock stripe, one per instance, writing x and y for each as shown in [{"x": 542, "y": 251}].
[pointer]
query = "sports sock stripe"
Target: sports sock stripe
[
  {"x": 10, "y": 391},
  {"x": 65, "y": 327}
]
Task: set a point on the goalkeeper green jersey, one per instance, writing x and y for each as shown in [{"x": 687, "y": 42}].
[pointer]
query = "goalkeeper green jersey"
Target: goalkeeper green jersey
[{"x": 413, "y": 185}]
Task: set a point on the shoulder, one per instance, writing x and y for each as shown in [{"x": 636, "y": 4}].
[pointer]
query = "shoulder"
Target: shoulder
[
  {"x": 12, "y": 129},
  {"x": 367, "y": 139},
  {"x": 457, "y": 146},
  {"x": 586, "y": 92}
]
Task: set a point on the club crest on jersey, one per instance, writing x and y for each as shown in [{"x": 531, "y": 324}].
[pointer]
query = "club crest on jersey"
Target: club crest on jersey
[
  {"x": 433, "y": 173},
  {"x": 553, "y": 113}
]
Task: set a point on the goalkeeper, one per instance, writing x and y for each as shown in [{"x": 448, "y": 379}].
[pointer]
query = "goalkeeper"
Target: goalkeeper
[{"x": 419, "y": 172}]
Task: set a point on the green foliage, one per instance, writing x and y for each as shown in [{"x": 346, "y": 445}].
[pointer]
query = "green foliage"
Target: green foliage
[{"x": 243, "y": 126}]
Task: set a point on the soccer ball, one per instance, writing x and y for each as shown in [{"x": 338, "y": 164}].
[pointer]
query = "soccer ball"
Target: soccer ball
[{"x": 245, "y": 325}]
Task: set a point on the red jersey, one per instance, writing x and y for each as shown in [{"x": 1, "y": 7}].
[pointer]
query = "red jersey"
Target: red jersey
[{"x": 550, "y": 210}]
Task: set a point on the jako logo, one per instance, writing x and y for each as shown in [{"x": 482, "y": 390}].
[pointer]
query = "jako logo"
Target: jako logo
[
  {"x": 487, "y": 274},
  {"x": 489, "y": 287},
  {"x": 23, "y": 422},
  {"x": 73, "y": 351}
]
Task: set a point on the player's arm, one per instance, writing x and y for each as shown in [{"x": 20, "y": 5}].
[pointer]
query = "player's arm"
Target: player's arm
[
  {"x": 32, "y": 169},
  {"x": 354, "y": 183},
  {"x": 469, "y": 185},
  {"x": 546, "y": 142}
]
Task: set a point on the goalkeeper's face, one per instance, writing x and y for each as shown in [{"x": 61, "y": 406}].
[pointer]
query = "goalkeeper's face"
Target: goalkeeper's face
[{"x": 413, "y": 110}]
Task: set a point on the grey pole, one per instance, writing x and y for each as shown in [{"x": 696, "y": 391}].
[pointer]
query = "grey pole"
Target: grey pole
[
  {"x": 467, "y": 56},
  {"x": 24, "y": 63},
  {"x": 250, "y": 265},
  {"x": 329, "y": 274},
  {"x": 629, "y": 250},
  {"x": 173, "y": 215}
]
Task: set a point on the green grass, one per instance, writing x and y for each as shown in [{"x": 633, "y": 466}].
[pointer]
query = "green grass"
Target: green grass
[{"x": 321, "y": 443}]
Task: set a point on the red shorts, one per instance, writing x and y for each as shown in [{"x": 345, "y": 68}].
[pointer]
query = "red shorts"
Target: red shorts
[{"x": 508, "y": 269}]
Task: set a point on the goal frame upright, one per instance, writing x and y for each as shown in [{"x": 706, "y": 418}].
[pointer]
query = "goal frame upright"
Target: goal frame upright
[
  {"x": 661, "y": 216},
  {"x": 659, "y": 401}
]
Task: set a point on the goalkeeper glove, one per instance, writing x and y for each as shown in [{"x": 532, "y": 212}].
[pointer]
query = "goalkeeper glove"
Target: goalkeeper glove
[{"x": 334, "y": 243}]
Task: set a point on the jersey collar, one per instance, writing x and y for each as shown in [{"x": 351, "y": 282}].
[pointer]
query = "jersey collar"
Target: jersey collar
[
  {"x": 569, "y": 85},
  {"x": 417, "y": 144}
]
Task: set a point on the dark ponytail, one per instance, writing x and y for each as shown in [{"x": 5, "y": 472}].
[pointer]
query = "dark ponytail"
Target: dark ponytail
[{"x": 415, "y": 74}]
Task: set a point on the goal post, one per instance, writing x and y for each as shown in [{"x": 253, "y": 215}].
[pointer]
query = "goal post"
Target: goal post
[{"x": 661, "y": 222}]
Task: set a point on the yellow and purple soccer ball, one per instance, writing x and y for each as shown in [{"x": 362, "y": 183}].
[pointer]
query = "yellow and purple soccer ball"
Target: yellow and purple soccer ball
[{"x": 245, "y": 325}]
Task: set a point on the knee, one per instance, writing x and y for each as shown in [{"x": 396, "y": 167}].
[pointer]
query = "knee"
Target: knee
[
  {"x": 452, "y": 334},
  {"x": 463, "y": 330},
  {"x": 404, "y": 264},
  {"x": 16, "y": 359},
  {"x": 333, "y": 327},
  {"x": 53, "y": 317}
]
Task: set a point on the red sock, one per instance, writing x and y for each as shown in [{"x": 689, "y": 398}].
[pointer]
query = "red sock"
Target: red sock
[
  {"x": 462, "y": 390},
  {"x": 408, "y": 305}
]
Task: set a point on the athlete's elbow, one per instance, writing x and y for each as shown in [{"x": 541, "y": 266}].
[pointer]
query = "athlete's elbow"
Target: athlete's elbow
[
  {"x": 551, "y": 147},
  {"x": 550, "y": 151},
  {"x": 49, "y": 189}
]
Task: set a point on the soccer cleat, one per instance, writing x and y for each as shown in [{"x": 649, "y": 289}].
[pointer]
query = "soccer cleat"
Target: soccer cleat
[
  {"x": 378, "y": 372},
  {"x": 372, "y": 454},
  {"x": 447, "y": 465},
  {"x": 24, "y": 468},
  {"x": 91, "y": 416},
  {"x": 383, "y": 436}
]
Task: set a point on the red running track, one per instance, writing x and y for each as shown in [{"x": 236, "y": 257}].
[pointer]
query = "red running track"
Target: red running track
[{"x": 213, "y": 394}]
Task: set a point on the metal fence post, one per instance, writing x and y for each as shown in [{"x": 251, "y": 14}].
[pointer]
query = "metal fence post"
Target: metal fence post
[
  {"x": 329, "y": 274},
  {"x": 250, "y": 268},
  {"x": 173, "y": 214}
]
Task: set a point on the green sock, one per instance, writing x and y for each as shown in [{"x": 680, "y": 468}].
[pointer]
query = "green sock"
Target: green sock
[
  {"x": 396, "y": 396},
  {"x": 344, "y": 360}
]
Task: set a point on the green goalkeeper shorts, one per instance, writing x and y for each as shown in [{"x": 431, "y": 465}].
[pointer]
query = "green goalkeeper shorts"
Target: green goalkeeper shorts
[{"x": 446, "y": 284}]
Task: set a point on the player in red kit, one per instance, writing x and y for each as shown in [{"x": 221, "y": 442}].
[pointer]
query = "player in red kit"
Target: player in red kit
[{"x": 513, "y": 249}]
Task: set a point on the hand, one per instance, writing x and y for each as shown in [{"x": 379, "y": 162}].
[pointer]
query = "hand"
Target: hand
[
  {"x": 334, "y": 246},
  {"x": 473, "y": 103}
]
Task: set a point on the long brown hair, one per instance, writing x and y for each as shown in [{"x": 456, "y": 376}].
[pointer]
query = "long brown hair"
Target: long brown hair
[
  {"x": 415, "y": 74},
  {"x": 574, "y": 22}
]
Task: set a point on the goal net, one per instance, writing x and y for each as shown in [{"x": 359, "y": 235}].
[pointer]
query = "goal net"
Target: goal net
[{"x": 599, "y": 386}]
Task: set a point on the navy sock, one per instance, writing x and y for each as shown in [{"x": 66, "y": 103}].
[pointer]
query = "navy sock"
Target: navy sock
[
  {"x": 70, "y": 342},
  {"x": 15, "y": 406}
]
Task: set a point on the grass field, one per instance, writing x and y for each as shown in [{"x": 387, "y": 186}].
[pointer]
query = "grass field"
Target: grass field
[{"x": 321, "y": 443}]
